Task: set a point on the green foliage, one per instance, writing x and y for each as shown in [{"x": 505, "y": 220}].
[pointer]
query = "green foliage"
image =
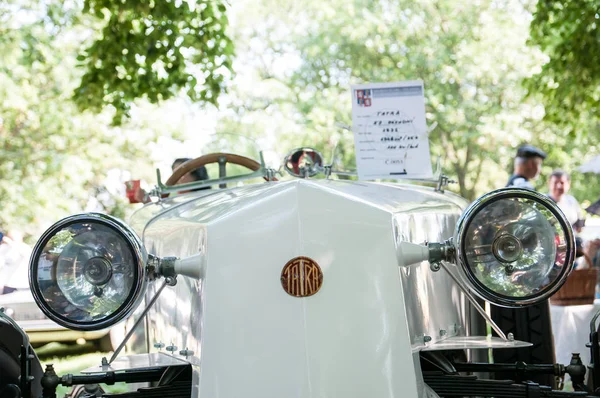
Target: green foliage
[
  {"x": 53, "y": 159},
  {"x": 569, "y": 82},
  {"x": 58, "y": 242},
  {"x": 153, "y": 49},
  {"x": 472, "y": 58},
  {"x": 295, "y": 69},
  {"x": 300, "y": 61}
]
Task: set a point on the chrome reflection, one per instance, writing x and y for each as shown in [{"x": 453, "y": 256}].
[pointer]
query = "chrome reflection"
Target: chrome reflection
[
  {"x": 515, "y": 246},
  {"x": 87, "y": 271},
  {"x": 303, "y": 162}
]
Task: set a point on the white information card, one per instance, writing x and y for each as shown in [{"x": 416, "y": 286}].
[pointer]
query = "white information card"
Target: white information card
[{"x": 390, "y": 133}]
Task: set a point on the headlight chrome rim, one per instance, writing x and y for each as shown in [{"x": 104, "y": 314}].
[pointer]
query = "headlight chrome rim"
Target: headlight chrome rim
[
  {"x": 134, "y": 297},
  {"x": 479, "y": 288}
]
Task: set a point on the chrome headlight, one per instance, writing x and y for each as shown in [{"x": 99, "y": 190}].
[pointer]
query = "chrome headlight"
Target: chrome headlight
[
  {"x": 87, "y": 272},
  {"x": 514, "y": 246}
]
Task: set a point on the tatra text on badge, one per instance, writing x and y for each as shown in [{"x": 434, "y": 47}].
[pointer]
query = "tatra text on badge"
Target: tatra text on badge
[{"x": 301, "y": 277}]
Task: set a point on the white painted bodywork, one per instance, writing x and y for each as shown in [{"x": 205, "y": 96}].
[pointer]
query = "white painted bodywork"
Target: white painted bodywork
[{"x": 357, "y": 337}]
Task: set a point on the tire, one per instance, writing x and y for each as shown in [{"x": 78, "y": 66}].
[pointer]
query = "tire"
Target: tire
[
  {"x": 10, "y": 373},
  {"x": 10, "y": 369},
  {"x": 531, "y": 324}
]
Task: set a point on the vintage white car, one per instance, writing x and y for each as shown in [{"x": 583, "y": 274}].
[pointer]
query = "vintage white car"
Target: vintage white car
[{"x": 306, "y": 287}]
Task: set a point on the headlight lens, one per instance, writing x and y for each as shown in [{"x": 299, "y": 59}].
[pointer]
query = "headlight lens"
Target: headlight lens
[
  {"x": 87, "y": 271},
  {"x": 515, "y": 246}
]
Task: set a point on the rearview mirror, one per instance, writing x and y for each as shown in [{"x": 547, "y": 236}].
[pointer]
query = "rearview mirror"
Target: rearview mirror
[{"x": 303, "y": 162}]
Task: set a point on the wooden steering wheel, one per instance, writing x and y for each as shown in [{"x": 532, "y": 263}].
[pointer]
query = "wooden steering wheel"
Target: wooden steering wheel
[{"x": 194, "y": 164}]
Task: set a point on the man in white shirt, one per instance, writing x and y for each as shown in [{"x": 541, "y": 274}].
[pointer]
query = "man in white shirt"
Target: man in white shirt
[{"x": 558, "y": 186}]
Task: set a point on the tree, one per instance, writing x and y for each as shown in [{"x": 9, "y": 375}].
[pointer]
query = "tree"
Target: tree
[
  {"x": 569, "y": 82},
  {"x": 52, "y": 157},
  {"x": 153, "y": 50},
  {"x": 471, "y": 57}
]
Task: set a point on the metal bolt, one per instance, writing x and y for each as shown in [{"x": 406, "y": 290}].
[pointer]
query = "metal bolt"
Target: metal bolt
[
  {"x": 159, "y": 345},
  {"x": 511, "y": 337},
  {"x": 435, "y": 267},
  {"x": 442, "y": 332},
  {"x": 104, "y": 362},
  {"x": 171, "y": 281},
  {"x": 186, "y": 353},
  {"x": 171, "y": 348},
  {"x": 426, "y": 339}
]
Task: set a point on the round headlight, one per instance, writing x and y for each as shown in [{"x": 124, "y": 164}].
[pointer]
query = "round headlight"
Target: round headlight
[
  {"x": 87, "y": 272},
  {"x": 515, "y": 247}
]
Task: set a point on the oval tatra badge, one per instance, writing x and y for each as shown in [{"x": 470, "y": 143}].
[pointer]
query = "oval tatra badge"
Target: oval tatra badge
[{"x": 301, "y": 277}]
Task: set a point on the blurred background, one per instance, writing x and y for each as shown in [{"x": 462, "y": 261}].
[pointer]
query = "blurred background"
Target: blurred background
[{"x": 94, "y": 93}]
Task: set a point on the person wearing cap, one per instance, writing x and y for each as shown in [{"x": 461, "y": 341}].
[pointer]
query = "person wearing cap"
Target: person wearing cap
[
  {"x": 528, "y": 164},
  {"x": 199, "y": 174}
]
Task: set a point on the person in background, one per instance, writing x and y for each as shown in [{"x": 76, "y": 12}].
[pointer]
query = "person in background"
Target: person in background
[
  {"x": 591, "y": 248},
  {"x": 558, "y": 186},
  {"x": 528, "y": 164},
  {"x": 198, "y": 174},
  {"x": 14, "y": 262},
  {"x": 194, "y": 175}
]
